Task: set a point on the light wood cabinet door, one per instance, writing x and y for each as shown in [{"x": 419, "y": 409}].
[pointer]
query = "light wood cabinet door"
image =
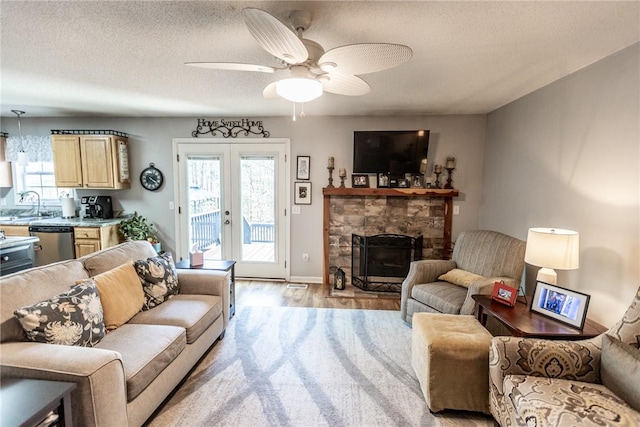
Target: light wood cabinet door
[
  {"x": 66, "y": 160},
  {"x": 92, "y": 239},
  {"x": 91, "y": 161},
  {"x": 86, "y": 247},
  {"x": 97, "y": 161},
  {"x": 15, "y": 230}
]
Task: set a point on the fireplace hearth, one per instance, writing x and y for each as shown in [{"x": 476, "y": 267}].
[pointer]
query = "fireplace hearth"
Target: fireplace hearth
[{"x": 381, "y": 262}]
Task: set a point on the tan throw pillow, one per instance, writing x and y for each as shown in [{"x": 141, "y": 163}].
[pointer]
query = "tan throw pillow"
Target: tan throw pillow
[
  {"x": 121, "y": 294},
  {"x": 460, "y": 277},
  {"x": 620, "y": 370}
]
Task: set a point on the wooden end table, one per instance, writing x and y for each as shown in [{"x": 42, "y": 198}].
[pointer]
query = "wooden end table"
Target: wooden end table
[
  {"x": 219, "y": 266},
  {"x": 26, "y": 402},
  {"x": 522, "y": 322}
]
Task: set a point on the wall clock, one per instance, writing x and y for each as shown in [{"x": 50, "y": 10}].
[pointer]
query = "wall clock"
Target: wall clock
[{"x": 151, "y": 178}]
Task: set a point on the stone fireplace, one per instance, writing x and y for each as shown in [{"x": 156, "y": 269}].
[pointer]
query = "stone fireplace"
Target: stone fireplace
[{"x": 371, "y": 211}]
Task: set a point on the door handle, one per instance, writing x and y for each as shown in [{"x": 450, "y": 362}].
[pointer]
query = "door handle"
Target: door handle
[
  {"x": 227, "y": 222},
  {"x": 226, "y": 212},
  {"x": 37, "y": 247}
]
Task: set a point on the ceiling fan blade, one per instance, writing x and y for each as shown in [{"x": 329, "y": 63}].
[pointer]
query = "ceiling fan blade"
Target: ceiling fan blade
[
  {"x": 364, "y": 58},
  {"x": 233, "y": 66},
  {"x": 344, "y": 85},
  {"x": 270, "y": 91},
  {"x": 275, "y": 37}
]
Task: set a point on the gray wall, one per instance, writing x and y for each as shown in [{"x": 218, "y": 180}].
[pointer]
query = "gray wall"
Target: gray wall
[
  {"x": 320, "y": 137},
  {"x": 567, "y": 156}
]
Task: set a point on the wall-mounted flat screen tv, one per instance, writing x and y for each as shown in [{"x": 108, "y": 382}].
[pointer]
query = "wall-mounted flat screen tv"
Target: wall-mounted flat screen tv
[{"x": 389, "y": 151}]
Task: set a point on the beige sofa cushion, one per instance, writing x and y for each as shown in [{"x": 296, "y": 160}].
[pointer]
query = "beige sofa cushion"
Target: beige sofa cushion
[
  {"x": 146, "y": 351},
  {"x": 121, "y": 294},
  {"x": 107, "y": 259},
  {"x": 195, "y": 313}
]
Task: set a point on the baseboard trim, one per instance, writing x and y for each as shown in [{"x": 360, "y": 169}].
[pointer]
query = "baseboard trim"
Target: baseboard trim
[{"x": 305, "y": 279}]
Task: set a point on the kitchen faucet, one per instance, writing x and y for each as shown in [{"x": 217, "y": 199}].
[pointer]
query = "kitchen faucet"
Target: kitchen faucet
[{"x": 24, "y": 193}]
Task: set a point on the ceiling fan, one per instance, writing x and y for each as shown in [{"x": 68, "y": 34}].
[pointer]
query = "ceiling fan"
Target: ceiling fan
[{"x": 312, "y": 71}]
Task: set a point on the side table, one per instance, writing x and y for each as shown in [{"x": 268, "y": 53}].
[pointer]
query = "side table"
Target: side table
[
  {"x": 522, "y": 322},
  {"x": 26, "y": 402},
  {"x": 220, "y": 266}
]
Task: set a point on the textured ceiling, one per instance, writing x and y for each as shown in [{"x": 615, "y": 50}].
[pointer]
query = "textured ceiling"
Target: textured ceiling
[{"x": 125, "y": 58}]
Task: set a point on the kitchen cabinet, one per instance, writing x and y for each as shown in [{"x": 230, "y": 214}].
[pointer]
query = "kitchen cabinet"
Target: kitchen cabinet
[
  {"x": 93, "y": 239},
  {"x": 91, "y": 161},
  {"x": 6, "y": 180},
  {"x": 15, "y": 230}
]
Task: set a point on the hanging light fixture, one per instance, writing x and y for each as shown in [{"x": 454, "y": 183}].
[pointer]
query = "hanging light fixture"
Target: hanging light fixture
[
  {"x": 22, "y": 155},
  {"x": 300, "y": 87}
]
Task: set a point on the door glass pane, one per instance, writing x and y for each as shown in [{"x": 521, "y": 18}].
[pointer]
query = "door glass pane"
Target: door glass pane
[
  {"x": 257, "y": 184},
  {"x": 204, "y": 174}
]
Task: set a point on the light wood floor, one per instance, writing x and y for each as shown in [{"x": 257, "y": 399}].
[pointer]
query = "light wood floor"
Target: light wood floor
[{"x": 276, "y": 294}]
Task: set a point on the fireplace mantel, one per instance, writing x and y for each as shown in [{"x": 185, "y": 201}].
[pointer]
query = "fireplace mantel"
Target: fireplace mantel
[
  {"x": 446, "y": 194},
  {"x": 406, "y": 192}
]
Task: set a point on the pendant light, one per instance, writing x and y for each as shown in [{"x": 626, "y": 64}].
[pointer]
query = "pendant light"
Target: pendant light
[{"x": 22, "y": 155}]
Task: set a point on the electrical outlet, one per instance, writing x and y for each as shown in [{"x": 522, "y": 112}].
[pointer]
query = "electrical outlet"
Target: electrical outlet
[
  {"x": 456, "y": 209},
  {"x": 295, "y": 210},
  {"x": 171, "y": 206},
  {"x": 305, "y": 257}
]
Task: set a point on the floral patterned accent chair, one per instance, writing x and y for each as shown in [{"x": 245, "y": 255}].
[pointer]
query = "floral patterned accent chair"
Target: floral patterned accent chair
[
  {"x": 480, "y": 258},
  {"x": 595, "y": 382}
]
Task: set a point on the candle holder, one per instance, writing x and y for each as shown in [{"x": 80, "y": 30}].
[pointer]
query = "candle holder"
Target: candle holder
[
  {"x": 342, "y": 182},
  {"x": 330, "y": 169},
  {"x": 437, "y": 183},
  {"x": 449, "y": 183}
]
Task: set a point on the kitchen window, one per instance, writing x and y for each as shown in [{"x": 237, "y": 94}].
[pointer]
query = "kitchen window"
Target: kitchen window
[{"x": 38, "y": 177}]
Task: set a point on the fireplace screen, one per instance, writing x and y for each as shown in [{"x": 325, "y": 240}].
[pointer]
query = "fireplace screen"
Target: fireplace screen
[{"x": 381, "y": 262}]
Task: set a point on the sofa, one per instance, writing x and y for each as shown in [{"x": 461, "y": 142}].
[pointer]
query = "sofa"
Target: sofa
[
  {"x": 480, "y": 258},
  {"x": 125, "y": 369},
  {"x": 595, "y": 382}
]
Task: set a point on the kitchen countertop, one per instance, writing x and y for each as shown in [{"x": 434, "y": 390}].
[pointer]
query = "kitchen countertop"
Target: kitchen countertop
[
  {"x": 59, "y": 221},
  {"x": 11, "y": 241}
]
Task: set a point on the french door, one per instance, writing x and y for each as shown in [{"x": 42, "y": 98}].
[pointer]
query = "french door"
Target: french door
[{"x": 232, "y": 202}]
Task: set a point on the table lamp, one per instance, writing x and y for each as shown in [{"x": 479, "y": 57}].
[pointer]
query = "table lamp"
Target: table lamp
[{"x": 552, "y": 248}]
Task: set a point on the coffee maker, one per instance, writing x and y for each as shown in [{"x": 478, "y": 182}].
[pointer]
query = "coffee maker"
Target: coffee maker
[{"x": 96, "y": 207}]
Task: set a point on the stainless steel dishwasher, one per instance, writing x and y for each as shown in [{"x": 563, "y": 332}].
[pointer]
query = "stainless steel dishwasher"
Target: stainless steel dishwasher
[{"x": 56, "y": 243}]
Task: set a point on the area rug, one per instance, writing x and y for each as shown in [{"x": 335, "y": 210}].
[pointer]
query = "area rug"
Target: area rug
[{"x": 292, "y": 366}]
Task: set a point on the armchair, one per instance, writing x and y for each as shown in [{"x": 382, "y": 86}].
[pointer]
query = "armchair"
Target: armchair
[
  {"x": 593, "y": 382},
  {"x": 489, "y": 255}
]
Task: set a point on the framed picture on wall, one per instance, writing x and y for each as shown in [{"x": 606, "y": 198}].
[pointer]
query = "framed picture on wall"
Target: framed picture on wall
[
  {"x": 304, "y": 167},
  {"x": 359, "y": 181},
  {"x": 302, "y": 193}
]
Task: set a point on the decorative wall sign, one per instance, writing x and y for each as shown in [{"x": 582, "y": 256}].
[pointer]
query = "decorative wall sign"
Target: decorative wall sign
[{"x": 230, "y": 128}]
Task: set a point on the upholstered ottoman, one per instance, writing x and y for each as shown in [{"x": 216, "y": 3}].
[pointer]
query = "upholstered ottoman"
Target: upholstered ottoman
[{"x": 450, "y": 355}]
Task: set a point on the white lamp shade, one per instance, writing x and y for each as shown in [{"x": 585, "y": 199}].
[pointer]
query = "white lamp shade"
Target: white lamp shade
[
  {"x": 299, "y": 89},
  {"x": 552, "y": 248}
]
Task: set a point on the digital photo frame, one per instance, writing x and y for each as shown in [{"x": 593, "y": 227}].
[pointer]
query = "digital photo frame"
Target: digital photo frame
[{"x": 561, "y": 304}]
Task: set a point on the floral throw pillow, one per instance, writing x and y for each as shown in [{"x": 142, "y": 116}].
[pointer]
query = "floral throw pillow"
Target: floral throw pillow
[
  {"x": 71, "y": 318},
  {"x": 159, "y": 279}
]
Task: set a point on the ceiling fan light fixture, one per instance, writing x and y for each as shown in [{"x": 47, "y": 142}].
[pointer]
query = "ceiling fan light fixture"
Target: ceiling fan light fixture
[{"x": 299, "y": 89}]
